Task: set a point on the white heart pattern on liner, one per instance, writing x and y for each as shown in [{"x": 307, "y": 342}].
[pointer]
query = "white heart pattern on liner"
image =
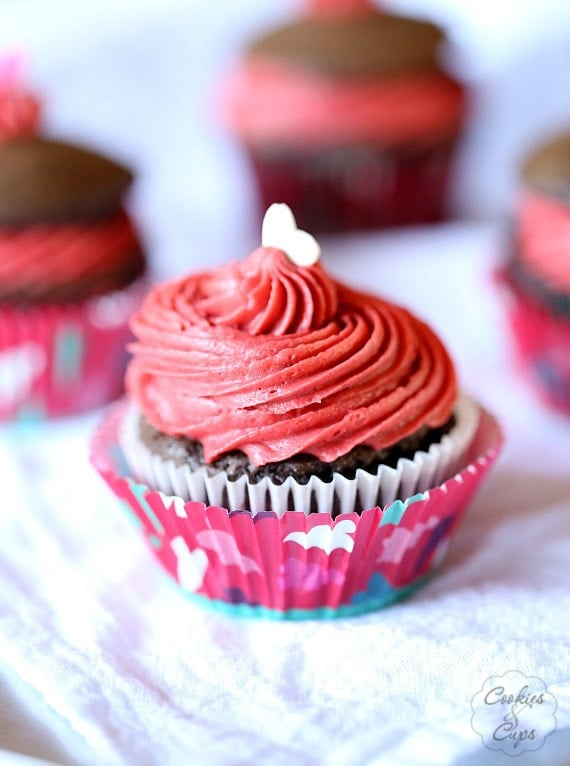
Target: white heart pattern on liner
[
  {"x": 279, "y": 229},
  {"x": 191, "y": 565},
  {"x": 20, "y": 367},
  {"x": 402, "y": 539},
  {"x": 226, "y": 548},
  {"x": 325, "y": 538}
]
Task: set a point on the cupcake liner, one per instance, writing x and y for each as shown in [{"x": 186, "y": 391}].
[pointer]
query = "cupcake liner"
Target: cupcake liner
[
  {"x": 296, "y": 565},
  {"x": 342, "y": 494},
  {"x": 356, "y": 188},
  {"x": 541, "y": 344},
  {"x": 60, "y": 359}
]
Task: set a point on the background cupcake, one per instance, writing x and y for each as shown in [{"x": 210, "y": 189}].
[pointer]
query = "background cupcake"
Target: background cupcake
[
  {"x": 536, "y": 277},
  {"x": 272, "y": 411},
  {"x": 347, "y": 116},
  {"x": 70, "y": 267}
]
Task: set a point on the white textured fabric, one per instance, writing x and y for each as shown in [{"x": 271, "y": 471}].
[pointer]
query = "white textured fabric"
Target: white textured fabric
[{"x": 136, "y": 674}]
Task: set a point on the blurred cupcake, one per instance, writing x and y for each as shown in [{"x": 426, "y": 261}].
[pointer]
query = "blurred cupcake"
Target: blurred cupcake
[
  {"x": 271, "y": 411},
  {"x": 536, "y": 278},
  {"x": 347, "y": 116},
  {"x": 70, "y": 267}
]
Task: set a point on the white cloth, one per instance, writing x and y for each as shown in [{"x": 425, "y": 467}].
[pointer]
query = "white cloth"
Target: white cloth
[{"x": 138, "y": 675}]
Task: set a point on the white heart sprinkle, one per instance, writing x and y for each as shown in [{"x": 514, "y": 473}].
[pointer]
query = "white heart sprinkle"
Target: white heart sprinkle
[
  {"x": 280, "y": 230},
  {"x": 278, "y": 222},
  {"x": 302, "y": 248}
]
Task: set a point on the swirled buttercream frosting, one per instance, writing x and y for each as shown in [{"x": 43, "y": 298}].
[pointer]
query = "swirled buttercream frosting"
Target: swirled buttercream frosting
[
  {"x": 543, "y": 230},
  {"x": 276, "y": 359},
  {"x": 345, "y": 72},
  {"x": 46, "y": 261}
]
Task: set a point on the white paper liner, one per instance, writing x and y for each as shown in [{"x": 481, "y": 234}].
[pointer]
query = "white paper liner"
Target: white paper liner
[{"x": 341, "y": 495}]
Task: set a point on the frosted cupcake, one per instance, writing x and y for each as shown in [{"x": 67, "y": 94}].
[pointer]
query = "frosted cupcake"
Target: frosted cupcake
[
  {"x": 536, "y": 277},
  {"x": 71, "y": 267},
  {"x": 348, "y": 116},
  {"x": 279, "y": 418}
]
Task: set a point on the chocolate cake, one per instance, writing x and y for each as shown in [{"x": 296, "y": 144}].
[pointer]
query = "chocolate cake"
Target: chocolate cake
[{"x": 184, "y": 451}]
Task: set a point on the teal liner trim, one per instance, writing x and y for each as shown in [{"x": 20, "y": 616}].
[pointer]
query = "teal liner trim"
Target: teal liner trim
[
  {"x": 68, "y": 355},
  {"x": 393, "y": 514},
  {"x": 26, "y": 421},
  {"x": 131, "y": 515},
  {"x": 119, "y": 461},
  {"x": 138, "y": 491},
  {"x": 248, "y": 611},
  {"x": 29, "y": 415}
]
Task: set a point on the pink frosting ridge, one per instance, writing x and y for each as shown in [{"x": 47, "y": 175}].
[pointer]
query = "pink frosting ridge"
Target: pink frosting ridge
[
  {"x": 544, "y": 238},
  {"x": 275, "y": 359},
  {"x": 268, "y": 102},
  {"x": 58, "y": 255}
]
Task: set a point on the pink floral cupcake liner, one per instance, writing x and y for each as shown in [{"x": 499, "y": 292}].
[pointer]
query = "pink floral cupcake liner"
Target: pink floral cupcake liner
[
  {"x": 297, "y": 566},
  {"x": 62, "y": 359},
  {"x": 541, "y": 345}
]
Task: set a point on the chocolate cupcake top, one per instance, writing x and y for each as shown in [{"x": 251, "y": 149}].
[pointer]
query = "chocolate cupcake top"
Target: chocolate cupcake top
[
  {"x": 547, "y": 170},
  {"x": 352, "y": 39},
  {"x": 64, "y": 235},
  {"x": 45, "y": 181},
  {"x": 273, "y": 357}
]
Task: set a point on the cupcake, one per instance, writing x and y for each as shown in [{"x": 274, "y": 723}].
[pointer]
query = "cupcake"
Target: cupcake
[
  {"x": 71, "y": 267},
  {"x": 536, "y": 276},
  {"x": 290, "y": 446},
  {"x": 347, "y": 116}
]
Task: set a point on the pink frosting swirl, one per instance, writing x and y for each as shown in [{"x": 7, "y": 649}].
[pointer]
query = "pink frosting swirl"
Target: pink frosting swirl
[
  {"x": 544, "y": 238},
  {"x": 36, "y": 258},
  {"x": 268, "y": 102},
  {"x": 275, "y": 359}
]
